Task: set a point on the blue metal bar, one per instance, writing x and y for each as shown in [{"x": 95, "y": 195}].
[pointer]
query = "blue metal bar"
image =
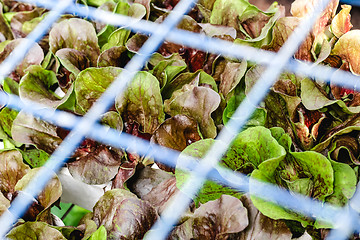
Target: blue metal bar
[
  {"x": 174, "y": 210},
  {"x": 294, "y": 65},
  {"x": 351, "y": 2},
  {"x": 56, "y": 161},
  {"x": 301, "y": 204}
]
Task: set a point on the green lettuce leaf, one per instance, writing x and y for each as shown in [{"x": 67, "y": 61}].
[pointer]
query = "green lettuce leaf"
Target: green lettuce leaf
[
  {"x": 210, "y": 190},
  {"x": 142, "y": 102},
  {"x": 252, "y": 25},
  {"x": 37, "y": 84},
  {"x": 308, "y": 173},
  {"x": 344, "y": 184},
  {"x": 91, "y": 83},
  {"x": 35, "y": 231},
  {"x": 5, "y": 30}
]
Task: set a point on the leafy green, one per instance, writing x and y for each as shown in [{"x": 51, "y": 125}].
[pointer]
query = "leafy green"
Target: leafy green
[
  {"x": 36, "y": 85},
  {"x": 76, "y": 34},
  {"x": 216, "y": 219},
  {"x": 123, "y": 214},
  {"x": 97, "y": 167},
  {"x": 177, "y": 132},
  {"x": 346, "y": 47},
  {"x": 35, "y": 231},
  {"x": 30, "y": 130},
  {"x": 197, "y": 102},
  {"x": 49, "y": 195},
  {"x": 11, "y": 171},
  {"x": 308, "y": 173},
  {"x": 91, "y": 83},
  {"x": 142, "y": 102},
  {"x": 34, "y": 57}
]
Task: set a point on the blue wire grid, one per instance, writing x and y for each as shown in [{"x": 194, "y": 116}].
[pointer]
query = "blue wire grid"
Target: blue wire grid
[{"x": 345, "y": 220}]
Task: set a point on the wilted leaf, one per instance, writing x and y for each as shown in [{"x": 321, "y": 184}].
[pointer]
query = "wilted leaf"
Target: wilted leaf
[
  {"x": 35, "y": 231},
  {"x": 30, "y": 130},
  {"x": 77, "y": 34},
  {"x": 91, "y": 83},
  {"x": 142, "y": 102},
  {"x": 198, "y": 103},
  {"x": 217, "y": 219},
  {"x": 12, "y": 169},
  {"x": 96, "y": 167},
  {"x": 123, "y": 215}
]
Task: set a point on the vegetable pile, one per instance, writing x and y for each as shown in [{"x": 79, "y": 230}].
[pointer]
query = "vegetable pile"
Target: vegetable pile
[{"x": 304, "y": 137}]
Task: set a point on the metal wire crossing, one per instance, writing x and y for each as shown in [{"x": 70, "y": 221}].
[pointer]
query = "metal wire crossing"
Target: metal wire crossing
[{"x": 345, "y": 220}]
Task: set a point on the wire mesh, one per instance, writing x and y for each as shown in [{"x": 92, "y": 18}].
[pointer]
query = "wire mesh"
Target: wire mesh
[{"x": 346, "y": 220}]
